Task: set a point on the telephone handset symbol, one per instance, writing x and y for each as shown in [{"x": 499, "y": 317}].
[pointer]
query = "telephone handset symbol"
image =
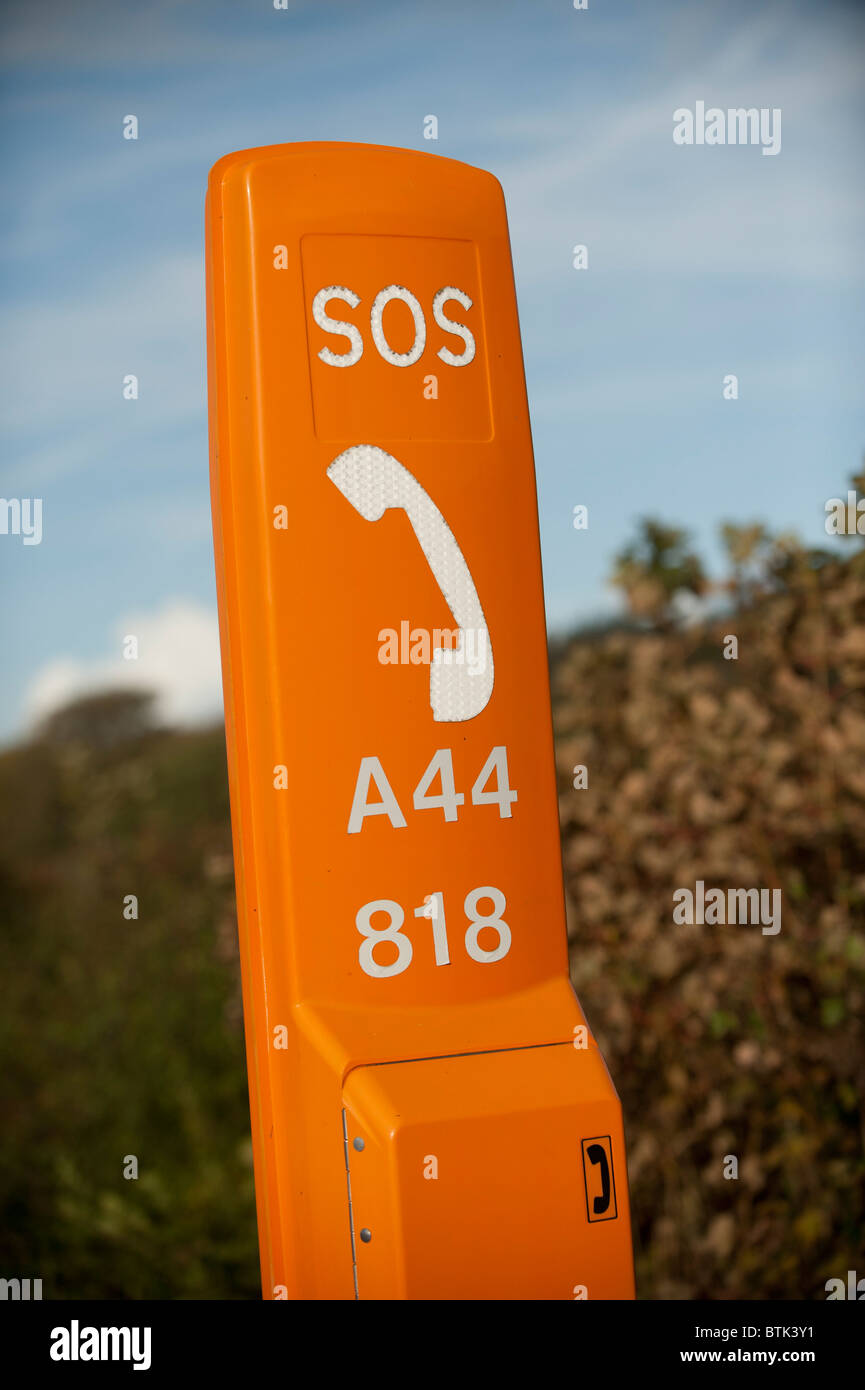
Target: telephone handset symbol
[
  {"x": 597, "y": 1154},
  {"x": 461, "y": 678}
]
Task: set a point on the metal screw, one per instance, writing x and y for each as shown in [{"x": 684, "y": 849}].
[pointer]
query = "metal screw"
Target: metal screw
[
  {"x": 359, "y": 1143},
  {"x": 366, "y": 1235}
]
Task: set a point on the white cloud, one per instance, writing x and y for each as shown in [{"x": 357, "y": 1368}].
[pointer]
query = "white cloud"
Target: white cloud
[{"x": 178, "y": 648}]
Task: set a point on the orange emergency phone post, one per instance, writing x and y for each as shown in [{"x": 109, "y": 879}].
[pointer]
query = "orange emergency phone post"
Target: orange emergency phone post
[{"x": 430, "y": 1116}]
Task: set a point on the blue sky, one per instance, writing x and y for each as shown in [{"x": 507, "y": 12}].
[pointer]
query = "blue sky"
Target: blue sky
[{"x": 702, "y": 261}]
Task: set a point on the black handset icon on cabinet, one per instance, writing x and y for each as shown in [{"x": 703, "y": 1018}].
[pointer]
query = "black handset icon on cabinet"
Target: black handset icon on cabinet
[{"x": 600, "y": 1184}]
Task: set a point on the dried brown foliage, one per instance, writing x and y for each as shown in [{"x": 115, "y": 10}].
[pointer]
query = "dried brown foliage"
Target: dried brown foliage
[{"x": 745, "y": 773}]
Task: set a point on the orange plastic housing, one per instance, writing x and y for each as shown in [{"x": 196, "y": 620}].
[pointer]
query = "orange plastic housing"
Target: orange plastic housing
[{"x": 430, "y": 1116}]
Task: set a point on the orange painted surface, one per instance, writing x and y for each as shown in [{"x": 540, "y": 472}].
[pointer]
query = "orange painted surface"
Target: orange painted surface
[
  {"x": 373, "y": 488},
  {"x": 469, "y": 1179}
]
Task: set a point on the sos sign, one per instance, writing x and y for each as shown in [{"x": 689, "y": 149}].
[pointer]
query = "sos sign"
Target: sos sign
[
  {"x": 376, "y": 322},
  {"x": 431, "y": 1117}
]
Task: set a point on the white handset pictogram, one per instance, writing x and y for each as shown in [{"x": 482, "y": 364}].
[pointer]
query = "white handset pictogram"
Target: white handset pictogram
[{"x": 461, "y": 679}]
